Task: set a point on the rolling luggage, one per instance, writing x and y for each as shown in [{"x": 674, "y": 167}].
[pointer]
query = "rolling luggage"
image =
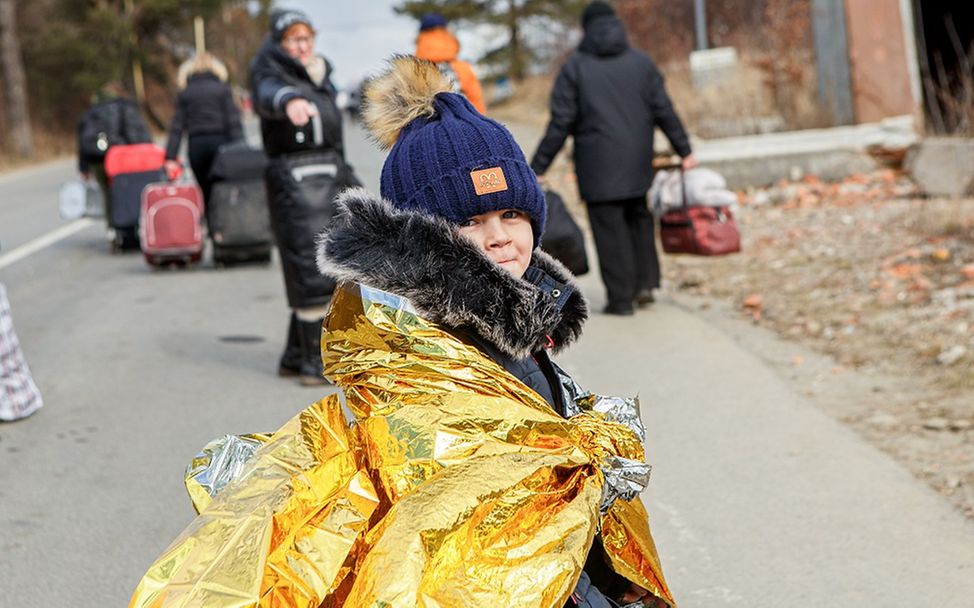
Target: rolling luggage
[
  {"x": 239, "y": 221},
  {"x": 130, "y": 168},
  {"x": 170, "y": 229}
]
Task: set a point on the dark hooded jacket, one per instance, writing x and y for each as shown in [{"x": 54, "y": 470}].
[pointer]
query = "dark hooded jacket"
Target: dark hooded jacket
[
  {"x": 119, "y": 119},
  {"x": 307, "y": 167},
  {"x": 610, "y": 97}
]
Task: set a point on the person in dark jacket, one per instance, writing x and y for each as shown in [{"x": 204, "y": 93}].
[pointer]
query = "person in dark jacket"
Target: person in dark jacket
[
  {"x": 205, "y": 111},
  {"x": 610, "y": 97},
  {"x": 112, "y": 119},
  {"x": 302, "y": 131}
]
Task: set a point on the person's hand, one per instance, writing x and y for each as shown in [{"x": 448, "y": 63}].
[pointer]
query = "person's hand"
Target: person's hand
[
  {"x": 689, "y": 162},
  {"x": 300, "y": 111}
]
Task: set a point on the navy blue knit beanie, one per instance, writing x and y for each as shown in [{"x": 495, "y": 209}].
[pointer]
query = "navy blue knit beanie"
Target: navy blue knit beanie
[{"x": 446, "y": 158}]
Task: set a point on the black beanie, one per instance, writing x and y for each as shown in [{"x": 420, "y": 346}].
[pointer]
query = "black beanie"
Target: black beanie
[
  {"x": 281, "y": 19},
  {"x": 596, "y": 9}
]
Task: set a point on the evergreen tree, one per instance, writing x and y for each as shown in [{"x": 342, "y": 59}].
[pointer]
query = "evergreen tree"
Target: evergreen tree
[{"x": 88, "y": 44}]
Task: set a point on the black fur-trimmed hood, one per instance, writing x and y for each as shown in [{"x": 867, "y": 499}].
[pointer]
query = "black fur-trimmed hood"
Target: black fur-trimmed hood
[{"x": 426, "y": 260}]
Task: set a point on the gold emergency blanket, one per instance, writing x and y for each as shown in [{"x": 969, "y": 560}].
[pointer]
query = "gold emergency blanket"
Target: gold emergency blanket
[{"x": 455, "y": 486}]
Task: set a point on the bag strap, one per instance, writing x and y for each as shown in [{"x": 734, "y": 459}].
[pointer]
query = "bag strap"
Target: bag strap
[
  {"x": 683, "y": 188},
  {"x": 671, "y": 163}
]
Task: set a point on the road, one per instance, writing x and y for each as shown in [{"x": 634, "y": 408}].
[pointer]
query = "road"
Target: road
[{"x": 758, "y": 498}]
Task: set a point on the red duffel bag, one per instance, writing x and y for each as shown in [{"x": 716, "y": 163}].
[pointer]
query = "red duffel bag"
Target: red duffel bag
[{"x": 699, "y": 230}]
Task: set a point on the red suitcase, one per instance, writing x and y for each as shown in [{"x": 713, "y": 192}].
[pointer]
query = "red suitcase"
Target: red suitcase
[
  {"x": 129, "y": 168},
  {"x": 133, "y": 158},
  {"x": 170, "y": 223}
]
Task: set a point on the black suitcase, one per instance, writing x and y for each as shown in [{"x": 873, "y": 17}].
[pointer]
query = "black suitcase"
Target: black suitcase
[
  {"x": 127, "y": 204},
  {"x": 563, "y": 239},
  {"x": 240, "y": 225}
]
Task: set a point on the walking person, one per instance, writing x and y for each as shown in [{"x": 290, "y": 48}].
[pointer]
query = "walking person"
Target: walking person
[
  {"x": 206, "y": 112},
  {"x": 301, "y": 127},
  {"x": 112, "y": 119},
  {"x": 610, "y": 97},
  {"x": 19, "y": 396},
  {"x": 436, "y": 43}
]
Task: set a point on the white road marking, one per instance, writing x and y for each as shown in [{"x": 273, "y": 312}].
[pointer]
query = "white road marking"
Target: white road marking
[{"x": 46, "y": 240}]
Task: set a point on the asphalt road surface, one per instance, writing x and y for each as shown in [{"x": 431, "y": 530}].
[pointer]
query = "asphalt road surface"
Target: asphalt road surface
[{"x": 758, "y": 499}]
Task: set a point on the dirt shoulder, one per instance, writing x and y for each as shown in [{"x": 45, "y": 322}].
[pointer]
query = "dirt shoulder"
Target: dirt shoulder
[
  {"x": 880, "y": 284},
  {"x": 870, "y": 290}
]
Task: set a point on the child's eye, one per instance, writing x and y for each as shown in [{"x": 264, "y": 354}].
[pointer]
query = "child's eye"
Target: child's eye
[
  {"x": 468, "y": 222},
  {"x": 510, "y": 214}
]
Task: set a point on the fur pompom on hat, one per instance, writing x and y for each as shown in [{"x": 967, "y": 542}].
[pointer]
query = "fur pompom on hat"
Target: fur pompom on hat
[{"x": 445, "y": 157}]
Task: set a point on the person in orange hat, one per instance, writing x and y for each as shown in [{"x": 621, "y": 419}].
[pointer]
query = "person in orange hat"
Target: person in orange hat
[{"x": 437, "y": 44}]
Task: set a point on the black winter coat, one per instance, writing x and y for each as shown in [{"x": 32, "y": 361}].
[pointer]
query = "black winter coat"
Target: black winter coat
[
  {"x": 306, "y": 171},
  {"x": 204, "y": 107},
  {"x": 120, "y": 119},
  {"x": 276, "y": 79},
  {"x": 610, "y": 97}
]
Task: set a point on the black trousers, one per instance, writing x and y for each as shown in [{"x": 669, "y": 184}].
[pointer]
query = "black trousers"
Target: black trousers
[
  {"x": 202, "y": 153},
  {"x": 625, "y": 241}
]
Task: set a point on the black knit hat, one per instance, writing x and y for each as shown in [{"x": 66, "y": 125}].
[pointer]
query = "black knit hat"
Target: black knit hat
[
  {"x": 596, "y": 9},
  {"x": 281, "y": 19}
]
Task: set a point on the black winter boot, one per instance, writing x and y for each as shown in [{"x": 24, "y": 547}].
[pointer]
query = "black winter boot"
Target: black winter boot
[
  {"x": 290, "y": 364},
  {"x": 311, "y": 368}
]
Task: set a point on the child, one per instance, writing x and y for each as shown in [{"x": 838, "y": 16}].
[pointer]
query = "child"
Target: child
[{"x": 463, "y": 481}]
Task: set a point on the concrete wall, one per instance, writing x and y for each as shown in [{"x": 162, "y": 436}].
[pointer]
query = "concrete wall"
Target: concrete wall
[
  {"x": 832, "y": 60},
  {"x": 878, "y": 60}
]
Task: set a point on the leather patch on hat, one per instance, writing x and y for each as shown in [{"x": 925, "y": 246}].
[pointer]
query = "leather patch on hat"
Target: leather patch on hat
[{"x": 488, "y": 181}]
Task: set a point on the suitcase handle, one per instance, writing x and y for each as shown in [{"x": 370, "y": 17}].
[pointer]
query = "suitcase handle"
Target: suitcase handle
[
  {"x": 317, "y": 132},
  {"x": 669, "y": 163}
]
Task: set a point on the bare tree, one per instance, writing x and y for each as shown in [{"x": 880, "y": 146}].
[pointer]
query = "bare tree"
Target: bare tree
[{"x": 15, "y": 84}]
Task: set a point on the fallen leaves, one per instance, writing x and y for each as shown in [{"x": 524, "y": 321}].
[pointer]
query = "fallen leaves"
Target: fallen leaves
[{"x": 752, "y": 304}]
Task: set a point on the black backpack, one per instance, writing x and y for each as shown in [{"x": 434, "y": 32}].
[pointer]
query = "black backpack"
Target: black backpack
[
  {"x": 101, "y": 127},
  {"x": 563, "y": 239}
]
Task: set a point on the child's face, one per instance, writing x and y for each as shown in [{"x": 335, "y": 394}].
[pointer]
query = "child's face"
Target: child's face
[{"x": 505, "y": 236}]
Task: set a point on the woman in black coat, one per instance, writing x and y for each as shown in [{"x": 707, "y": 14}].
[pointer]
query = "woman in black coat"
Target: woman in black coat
[
  {"x": 302, "y": 131},
  {"x": 205, "y": 110}
]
